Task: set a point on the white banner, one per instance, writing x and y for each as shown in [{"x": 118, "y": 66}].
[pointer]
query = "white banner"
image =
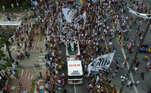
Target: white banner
[
  {"x": 101, "y": 63},
  {"x": 146, "y": 16},
  {"x": 68, "y": 14}
]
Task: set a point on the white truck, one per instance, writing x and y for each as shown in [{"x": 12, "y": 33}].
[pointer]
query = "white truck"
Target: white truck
[{"x": 75, "y": 72}]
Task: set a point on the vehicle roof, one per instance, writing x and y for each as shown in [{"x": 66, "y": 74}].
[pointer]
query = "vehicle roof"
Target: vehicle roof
[
  {"x": 74, "y": 68},
  {"x": 70, "y": 46}
]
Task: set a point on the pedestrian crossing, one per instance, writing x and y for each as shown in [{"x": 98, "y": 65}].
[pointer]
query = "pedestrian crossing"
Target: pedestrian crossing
[{"x": 26, "y": 74}]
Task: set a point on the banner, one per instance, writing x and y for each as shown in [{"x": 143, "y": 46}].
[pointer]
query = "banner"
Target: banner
[
  {"x": 146, "y": 16},
  {"x": 69, "y": 14},
  {"x": 100, "y": 63},
  {"x": 84, "y": 17}
]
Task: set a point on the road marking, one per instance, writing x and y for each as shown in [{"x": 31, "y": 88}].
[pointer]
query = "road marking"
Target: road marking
[
  {"x": 22, "y": 72},
  {"x": 132, "y": 78},
  {"x": 29, "y": 76},
  {"x": 75, "y": 91},
  {"x": 131, "y": 75},
  {"x": 26, "y": 75},
  {"x": 13, "y": 87},
  {"x": 42, "y": 56},
  {"x": 42, "y": 63},
  {"x": 40, "y": 60},
  {"x": 124, "y": 54}
]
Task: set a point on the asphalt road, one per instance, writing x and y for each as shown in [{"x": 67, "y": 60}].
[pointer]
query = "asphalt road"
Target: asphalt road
[{"x": 144, "y": 84}]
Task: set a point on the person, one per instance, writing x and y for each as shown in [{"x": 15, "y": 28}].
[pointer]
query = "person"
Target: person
[
  {"x": 40, "y": 50},
  {"x": 146, "y": 58},
  {"x": 137, "y": 82},
  {"x": 142, "y": 75},
  {"x": 25, "y": 91},
  {"x": 149, "y": 90},
  {"x": 5, "y": 88},
  {"x": 64, "y": 91},
  {"x": 27, "y": 54}
]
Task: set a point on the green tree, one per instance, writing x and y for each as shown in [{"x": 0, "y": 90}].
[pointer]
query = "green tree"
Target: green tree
[
  {"x": 2, "y": 55},
  {"x": 16, "y": 3},
  {"x": 4, "y": 40}
]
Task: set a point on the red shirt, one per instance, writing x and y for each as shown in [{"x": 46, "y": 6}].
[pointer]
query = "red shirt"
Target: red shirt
[{"x": 47, "y": 76}]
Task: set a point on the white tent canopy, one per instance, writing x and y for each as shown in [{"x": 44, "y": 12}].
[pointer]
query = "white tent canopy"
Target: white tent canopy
[{"x": 10, "y": 23}]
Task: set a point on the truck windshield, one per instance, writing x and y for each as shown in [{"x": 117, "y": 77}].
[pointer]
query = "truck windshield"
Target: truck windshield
[{"x": 75, "y": 77}]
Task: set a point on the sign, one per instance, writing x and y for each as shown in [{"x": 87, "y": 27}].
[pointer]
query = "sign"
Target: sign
[
  {"x": 84, "y": 17},
  {"x": 101, "y": 63},
  {"x": 74, "y": 65}
]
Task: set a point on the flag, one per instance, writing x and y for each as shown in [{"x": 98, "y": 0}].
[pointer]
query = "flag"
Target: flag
[
  {"x": 80, "y": 2},
  {"x": 100, "y": 63}
]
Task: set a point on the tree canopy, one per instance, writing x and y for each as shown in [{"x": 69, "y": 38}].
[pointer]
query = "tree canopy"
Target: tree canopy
[{"x": 16, "y": 3}]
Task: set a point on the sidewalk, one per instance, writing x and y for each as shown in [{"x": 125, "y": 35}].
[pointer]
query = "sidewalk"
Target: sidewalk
[
  {"x": 40, "y": 84},
  {"x": 14, "y": 16}
]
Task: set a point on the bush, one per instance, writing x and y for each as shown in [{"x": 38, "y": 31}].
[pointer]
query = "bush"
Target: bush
[{"x": 33, "y": 86}]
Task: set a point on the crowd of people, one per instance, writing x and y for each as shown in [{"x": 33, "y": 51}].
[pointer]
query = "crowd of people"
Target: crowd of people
[
  {"x": 92, "y": 34},
  {"x": 141, "y": 6},
  {"x": 105, "y": 21},
  {"x": 8, "y": 74}
]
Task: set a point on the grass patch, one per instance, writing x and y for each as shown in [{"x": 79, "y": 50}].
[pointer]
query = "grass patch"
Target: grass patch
[
  {"x": 41, "y": 37},
  {"x": 33, "y": 86}
]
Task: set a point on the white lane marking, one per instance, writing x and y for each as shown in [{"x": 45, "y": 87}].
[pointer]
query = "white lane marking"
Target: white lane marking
[
  {"x": 40, "y": 60},
  {"x": 42, "y": 63},
  {"x": 131, "y": 75},
  {"x": 75, "y": 91},
  {"x": 123, "y": 52},
  {"x": 42, "y": 56},
  {"x": 132, "y": 78},
  {"x": 22, "y": 72},
  {"x": 29, "y": 75},
  {"x": 26, "y": 75}
]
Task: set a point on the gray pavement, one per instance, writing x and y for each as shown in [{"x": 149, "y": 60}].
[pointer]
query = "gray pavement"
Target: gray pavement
[
  {"x": 144, "y": 84},
  {"x": 29, "y": 64}
]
